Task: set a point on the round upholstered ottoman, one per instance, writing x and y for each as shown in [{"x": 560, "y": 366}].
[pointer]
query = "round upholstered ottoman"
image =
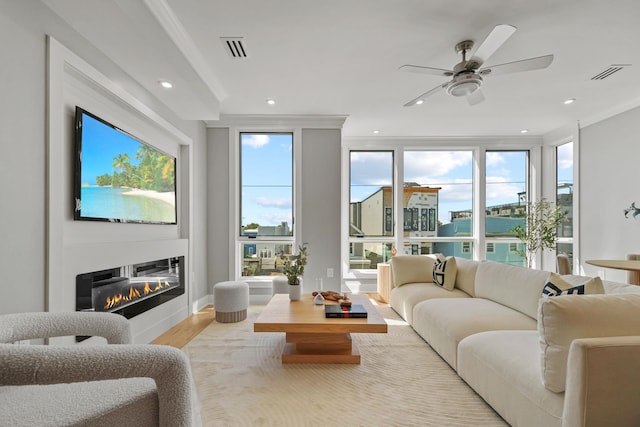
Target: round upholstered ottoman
[{"x": 230, "y": 300}]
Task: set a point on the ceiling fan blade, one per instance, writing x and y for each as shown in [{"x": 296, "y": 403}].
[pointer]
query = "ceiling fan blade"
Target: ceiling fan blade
[
  {"x": 427, "y": 70},
  {"x": 519, "y": 66},
  {"x": 475, "y": 97},
  {"x": 494, "y": 40},
  {"x": 426, "y": 94}
]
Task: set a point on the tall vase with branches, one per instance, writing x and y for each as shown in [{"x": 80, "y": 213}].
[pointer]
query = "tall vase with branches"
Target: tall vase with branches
[{"x": 541, "y": 228}]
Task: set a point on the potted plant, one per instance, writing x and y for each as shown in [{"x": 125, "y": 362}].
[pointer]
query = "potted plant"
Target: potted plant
[
  {"x": 541, "y": 228},
  {"x": 294, "y": 269}
]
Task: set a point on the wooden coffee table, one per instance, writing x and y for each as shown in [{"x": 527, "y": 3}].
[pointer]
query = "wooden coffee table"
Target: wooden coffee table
[{"x": 312, "y": 338}]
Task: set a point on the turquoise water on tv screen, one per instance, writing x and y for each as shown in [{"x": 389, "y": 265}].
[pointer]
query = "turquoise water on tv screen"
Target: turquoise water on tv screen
[{"x": 111, "y": 203}]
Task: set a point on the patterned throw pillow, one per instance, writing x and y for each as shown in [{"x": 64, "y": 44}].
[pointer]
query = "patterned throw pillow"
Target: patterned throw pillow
[
  {"x": 444, "y": 272},
  {"x": 556, "y": 285}
]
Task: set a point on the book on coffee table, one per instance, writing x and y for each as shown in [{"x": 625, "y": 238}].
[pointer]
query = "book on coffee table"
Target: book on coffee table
[{"x": 337, "y": 311}]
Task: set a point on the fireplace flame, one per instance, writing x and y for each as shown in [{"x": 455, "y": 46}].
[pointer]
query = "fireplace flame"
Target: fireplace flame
[{"x": 133, "y": 293}]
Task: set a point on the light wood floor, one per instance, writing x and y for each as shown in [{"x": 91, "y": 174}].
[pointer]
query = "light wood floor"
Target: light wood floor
[{"x": 185, "y": 331}]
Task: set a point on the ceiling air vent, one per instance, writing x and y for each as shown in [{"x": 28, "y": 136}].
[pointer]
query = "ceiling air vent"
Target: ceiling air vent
[
  {"x": 234, "y": 46},
  {"x": 614, "y": 68}
]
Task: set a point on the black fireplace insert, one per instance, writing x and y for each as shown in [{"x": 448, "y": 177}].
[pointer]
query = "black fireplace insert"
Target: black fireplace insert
[{"x": 131, "y": 289}]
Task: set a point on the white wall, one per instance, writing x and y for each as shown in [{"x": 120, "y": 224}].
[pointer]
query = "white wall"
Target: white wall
[
  {"x": 26, "y": 176},
  {"x": 218, "y": 179},
  {"x": 22, "y": 171},
  {"x": 609, "y": 154},
  {"x": 321, "y": 149}
]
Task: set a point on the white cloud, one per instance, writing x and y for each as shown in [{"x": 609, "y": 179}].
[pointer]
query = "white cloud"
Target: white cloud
[
  {"x": 423, "y": 166},
  {"x": 500, "y": 190},
  {"x": 565, "y": 156},
  {"x": 494, "y": 159},
  {"x": 256, "y": 141},
  {"x": 267, "y": 202}
]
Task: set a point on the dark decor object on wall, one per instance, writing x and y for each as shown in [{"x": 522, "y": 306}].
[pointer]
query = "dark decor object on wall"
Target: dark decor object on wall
[
  {"x": 632, "y": 210},
  {"x": 119, "y": 178}
]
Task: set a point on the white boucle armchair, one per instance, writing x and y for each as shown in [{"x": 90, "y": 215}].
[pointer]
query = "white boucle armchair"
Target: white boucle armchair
[{"x": 120, "y": 384}]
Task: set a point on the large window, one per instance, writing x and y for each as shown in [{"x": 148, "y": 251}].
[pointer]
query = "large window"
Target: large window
[
  {"x": 505, "y": 202},
  {"x": 266, "y": 202},
  {"x": 371, "y": 213},
  {"x": 438, "y": 201},
  {"x": 564, "y": 196}
]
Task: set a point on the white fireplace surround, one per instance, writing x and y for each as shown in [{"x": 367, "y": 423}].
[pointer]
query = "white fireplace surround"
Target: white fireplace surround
[{"x": 76, "y": 247}]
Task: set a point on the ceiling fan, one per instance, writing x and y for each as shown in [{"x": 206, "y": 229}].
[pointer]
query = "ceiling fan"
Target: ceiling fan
[{"x": 467, "y": 76}]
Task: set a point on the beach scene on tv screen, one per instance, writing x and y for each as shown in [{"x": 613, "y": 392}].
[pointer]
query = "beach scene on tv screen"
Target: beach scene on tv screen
[{"x": 123, "y": 179}]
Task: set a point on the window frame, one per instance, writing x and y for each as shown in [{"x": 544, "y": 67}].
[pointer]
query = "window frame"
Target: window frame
[
  {"x": 237, "y": 241},
  {"x": 479, "y": 147}
]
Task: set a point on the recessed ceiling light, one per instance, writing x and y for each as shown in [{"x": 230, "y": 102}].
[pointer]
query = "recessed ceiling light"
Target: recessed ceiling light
[
  {"x": 271, "y": 101},
  {"x": 569, "y": 101},
  {"x": 524, "y": 131},
  {"x": 165, "y": 84},
  {"x": 376, "y": 132},
  {"x": 419, "y": 102}
]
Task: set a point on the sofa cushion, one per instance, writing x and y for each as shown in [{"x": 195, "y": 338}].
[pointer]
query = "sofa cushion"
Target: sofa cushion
[
  {"x": 503, "y": 367},
  {"x": 556, "y": 285},
  {"x": 443, "y": 323},
  {"x": 561, "y": 320},
  {"x": 404, "y": 298},
  {"x": 466, "y": 275},
  {"x": 411, "y": 269},
  {"x": 516, "y": 287},
  {"x": 444, "y": 272}
]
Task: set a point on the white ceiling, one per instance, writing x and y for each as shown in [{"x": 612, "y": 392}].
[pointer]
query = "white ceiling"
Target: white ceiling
[{"x": 341, "y": 57}]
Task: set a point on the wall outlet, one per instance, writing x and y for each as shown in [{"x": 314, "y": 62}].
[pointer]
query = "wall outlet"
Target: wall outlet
[
  {"x": 329, "y": 272},
  {"x": 23, "y": 342},
  {"x": 601, "y": 274}
]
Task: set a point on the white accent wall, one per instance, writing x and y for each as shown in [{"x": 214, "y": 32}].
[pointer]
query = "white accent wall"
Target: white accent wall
[{"x": 609, "y": 183}]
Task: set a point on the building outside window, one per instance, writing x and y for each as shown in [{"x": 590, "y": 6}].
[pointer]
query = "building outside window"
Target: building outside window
[
  {"x": 437, "y": 201},
  {"x": 371, "y": 208},
  {"x": 506, "y": 176}
]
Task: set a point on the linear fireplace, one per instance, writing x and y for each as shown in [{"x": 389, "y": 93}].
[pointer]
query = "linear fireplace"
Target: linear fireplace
[{"x": 131, "y": 289}]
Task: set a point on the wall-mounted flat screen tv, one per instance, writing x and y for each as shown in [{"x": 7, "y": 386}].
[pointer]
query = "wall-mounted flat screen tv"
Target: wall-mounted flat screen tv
[{"x": 119, "y": 178}]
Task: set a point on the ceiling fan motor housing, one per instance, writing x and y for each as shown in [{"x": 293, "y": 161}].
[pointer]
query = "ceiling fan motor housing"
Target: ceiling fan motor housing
[{"x": 464, "y": 84}]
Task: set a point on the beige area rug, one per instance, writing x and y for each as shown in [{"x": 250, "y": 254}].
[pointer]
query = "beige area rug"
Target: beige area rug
[{"x": 400, "y": 382}]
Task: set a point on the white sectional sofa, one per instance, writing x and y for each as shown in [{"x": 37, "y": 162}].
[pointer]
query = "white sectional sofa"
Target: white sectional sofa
[{"x": 566, "y": 360}]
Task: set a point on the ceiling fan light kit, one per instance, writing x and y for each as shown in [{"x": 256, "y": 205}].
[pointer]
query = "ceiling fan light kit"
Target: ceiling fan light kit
[
  {"x": 464, "y": 84},
  {"x": 467, "y": 76}
]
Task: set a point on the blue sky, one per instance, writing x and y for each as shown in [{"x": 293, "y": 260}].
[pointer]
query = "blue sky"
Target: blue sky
[
  {"x": 100, "y": 144},
  {"x": 266, "y": 164},
  {"x": 267, "y": 159}
]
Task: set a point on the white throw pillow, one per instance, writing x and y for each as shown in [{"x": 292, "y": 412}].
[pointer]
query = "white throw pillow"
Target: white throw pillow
[
  {"x": 556, "y": 285},
  {"x": 411, "y": 269},
  {"x": 444, "y": 272},
  {"x": 562, "y": 320}
]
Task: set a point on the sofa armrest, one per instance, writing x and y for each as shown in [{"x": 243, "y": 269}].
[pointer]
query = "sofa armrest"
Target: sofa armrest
[
  {"x": 167, "y": 366},
  {"x": 603, "y": 382},
  {"x": 27, "y": 326}
]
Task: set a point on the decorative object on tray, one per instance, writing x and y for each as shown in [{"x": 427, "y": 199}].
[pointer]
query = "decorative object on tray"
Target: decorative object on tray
[
  {"x": 294, "y": 269},
  {"x": 330, "y": 295},
  {"x": 318, "y": 299},
  {"x": 354, "y": 311}
]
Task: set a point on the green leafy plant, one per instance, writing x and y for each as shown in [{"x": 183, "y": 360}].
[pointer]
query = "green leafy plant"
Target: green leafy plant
[
  {"x": 541, "y": 228},
  {"x": 294, "y": 265}
]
